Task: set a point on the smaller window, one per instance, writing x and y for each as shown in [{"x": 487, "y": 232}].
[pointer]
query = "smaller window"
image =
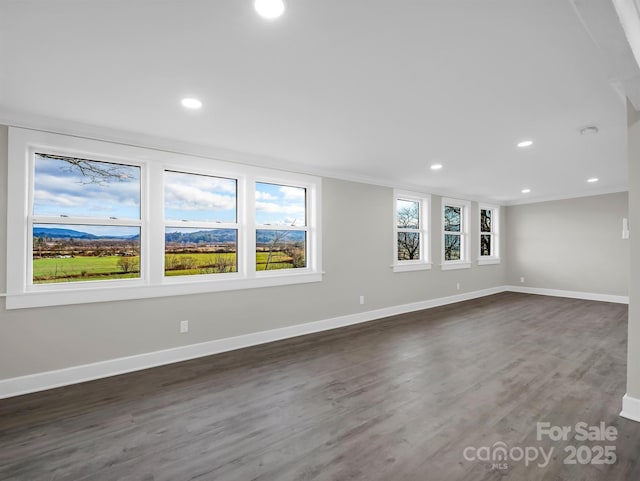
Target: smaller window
[
  {"x": 201, "y": 230},
  {"x": 455, "y": 232},
  {"x": 411, "y": 241},
  {"x": 281, "y": 227},
  {"x": 489, "y": 238}
]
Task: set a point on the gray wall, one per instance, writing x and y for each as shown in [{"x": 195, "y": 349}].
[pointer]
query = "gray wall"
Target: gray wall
[
  {"x": 42, "y": 339},
  {"x": 573, "y": 245},
  {"x": 633, "y": 364}
]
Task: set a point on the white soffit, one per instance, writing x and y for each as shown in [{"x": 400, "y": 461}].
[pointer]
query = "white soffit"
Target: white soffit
[{"x": 629, "y": 15}]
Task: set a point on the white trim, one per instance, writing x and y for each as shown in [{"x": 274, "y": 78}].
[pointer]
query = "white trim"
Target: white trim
[
  {"x": 106, "y": 134},
  {"x": 465, "y": 215},
  {"x": 453, "y": 265},
  {"x": 589, "y": 296},
  {"x": 62, "y": 377},
  {"x": 616, "y": 189},
  {"x": 95, "y": 132},
  {"x": 630, "y": 408},
  {"x": 170, "y": 288},
  {"x": 409, "y": 267},
  {"x": 494, "y": 258},
  {"x": 630, "y": 19},
  {"x": 424, "y": 229},
  {"x": 485, "y": 261}
]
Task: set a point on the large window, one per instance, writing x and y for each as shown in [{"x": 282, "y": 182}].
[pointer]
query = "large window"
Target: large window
[
  {"x": 489, "y": 238},
  {"x": 411, "y": 235},
  {"x": 85, "y": 220},
  {"x": 455, "y": 233},
  {"x": 93, "y": 221}
]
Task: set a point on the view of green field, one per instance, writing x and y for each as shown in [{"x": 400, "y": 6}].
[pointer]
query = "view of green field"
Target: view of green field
[
  {"x": 87, "y": 268},
  {"x": 84, "y": 268}
]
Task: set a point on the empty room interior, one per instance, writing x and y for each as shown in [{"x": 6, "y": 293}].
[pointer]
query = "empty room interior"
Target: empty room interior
[{"x": 319, "y": 240}]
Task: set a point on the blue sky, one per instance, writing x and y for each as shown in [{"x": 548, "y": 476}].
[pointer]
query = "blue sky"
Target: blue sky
[
  {"x": 199, "y": 198},
  {"x": 61, "y": 189},
  {"x": 280, "y": 204}
]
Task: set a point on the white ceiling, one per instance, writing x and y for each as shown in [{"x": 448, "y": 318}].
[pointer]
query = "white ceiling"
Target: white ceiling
[{"x": 361, "y": 89}]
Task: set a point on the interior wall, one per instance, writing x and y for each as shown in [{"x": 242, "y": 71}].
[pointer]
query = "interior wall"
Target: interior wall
[
  {"x": 633, "y": 363},
  {"x": 571, "y": 245},
  {"x": 357, "y": 256}
]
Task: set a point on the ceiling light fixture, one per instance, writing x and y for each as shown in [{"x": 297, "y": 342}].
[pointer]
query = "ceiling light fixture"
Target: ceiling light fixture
[
  {"x": 269, "y": 9},
  {"x": 525, "y": 191},
  {"x": 592, "y": 180},
  {"x": 525, "y": 143},
  {"x": 191, "y": 103},
  {"x": 436, "y": 166},
  {"x": 589, "y": 130}
]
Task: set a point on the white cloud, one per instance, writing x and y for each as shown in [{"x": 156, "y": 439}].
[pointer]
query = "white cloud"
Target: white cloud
[
  {"x": 260, "y": 195},
  {"x": 189, "y": 197},
  {"x": 292, "y": 193}
]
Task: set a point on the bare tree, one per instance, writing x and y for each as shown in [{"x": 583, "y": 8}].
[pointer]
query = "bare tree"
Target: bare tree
[
  {"x": 451, "y": 247},
  {"x": 408, "y": 242},
  {"x": 279, "y": 236},
  {"x": 95, "y": 172}
]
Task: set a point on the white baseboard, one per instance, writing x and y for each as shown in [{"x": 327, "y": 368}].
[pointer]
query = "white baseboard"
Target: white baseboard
[
  {"x": 571, "y": 294},
  {"x": 87, "y": 372},
  {"x": 630, "y": 408}
]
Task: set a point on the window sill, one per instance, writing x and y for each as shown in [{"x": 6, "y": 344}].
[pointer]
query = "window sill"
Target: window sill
[
  {"x": 417, "y": 266},
  {"x": 455, "y": 265},
  {"x": 488, "y": 261},
  {"x": 85, "y": 295}
]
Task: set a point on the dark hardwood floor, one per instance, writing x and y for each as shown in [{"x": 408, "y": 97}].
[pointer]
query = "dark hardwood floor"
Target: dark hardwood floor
[{"x": 395, "y": 399}]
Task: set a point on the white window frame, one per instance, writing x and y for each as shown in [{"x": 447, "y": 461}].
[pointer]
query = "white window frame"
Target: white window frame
[
  {"x": 424, "y": 203},
  {"x": 310, "y": 227},
  {"x": 465, "y": 210},
  {"x": 494, "y": 257},
  {"x": 241, "y": 255},
  {"x": 22, "y": 293}
]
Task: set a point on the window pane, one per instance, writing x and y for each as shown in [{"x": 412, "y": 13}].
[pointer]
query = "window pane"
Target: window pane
[
  {"x": 200, "y": 251},
  {"x": 280, "y": 249},
  {"x": 452, "y": 218},
  {"x": 485, "y": 220},
  {"x": 452, "y": 247},
  {"x": 485, "y": 245},
  {"x": 194, "y": 197},
  {"x": 408, "y": 246},
  {"x": 67, "y": 253},
  {"x": 408, "y": 214},
  {"x": 280, "y": 205},
  {"x": 68, "y": 186}
]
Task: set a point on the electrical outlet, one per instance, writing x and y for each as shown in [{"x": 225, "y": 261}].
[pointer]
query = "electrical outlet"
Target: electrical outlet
[
  {"x": 522, "y": 279},
  {"x": 458, "y": 285},
  {"x": 184, "y": 327},
  {"x": 361, "y": 300}
]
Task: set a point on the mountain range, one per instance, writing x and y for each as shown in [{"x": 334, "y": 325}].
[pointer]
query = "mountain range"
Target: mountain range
[{"x": 213, "y": 236}]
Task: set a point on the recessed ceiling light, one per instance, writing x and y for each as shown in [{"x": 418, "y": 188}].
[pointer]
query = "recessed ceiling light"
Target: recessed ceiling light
[
  {"x": 592, "y": 180},
  {"x": 436, "y": 166},
  {"x": 525, "y": 143},
  {"x": 191, "y": 103},
  {"x": 525, "y": 191},
  {"x": 269, "y": 8}
]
